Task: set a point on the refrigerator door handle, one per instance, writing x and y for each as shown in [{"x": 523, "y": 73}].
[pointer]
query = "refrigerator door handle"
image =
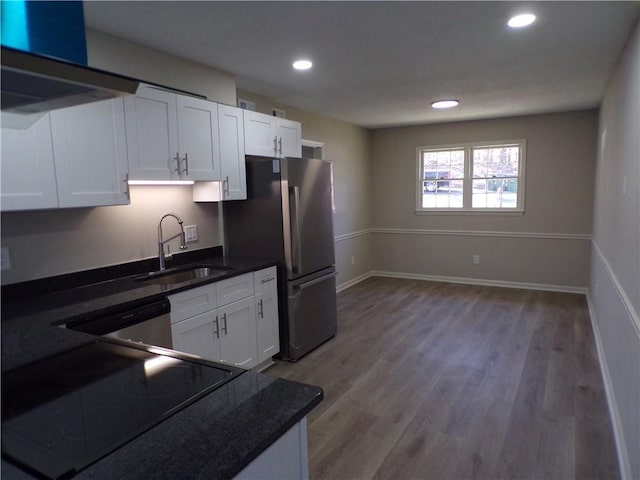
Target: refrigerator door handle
[
  {"x": 296, "y": 249},
  {"x": 310, "y": 283}
]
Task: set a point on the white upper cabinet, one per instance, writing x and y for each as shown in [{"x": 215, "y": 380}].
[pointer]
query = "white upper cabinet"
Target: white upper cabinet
[
  {"x": 27, "y": 167},
  {"x": 271, "y": 136},
  {"x": 198, "y": 141},
  {"x": 232, "y": 165},
  {"x": 152, "y": 135},
  {"x": 260, "y": 137},
  {"x": 89, "y": 145},
  {"x": 289, "y": 138},
  {"x": 70, "y": 157},
  {"x": 171, "y": 136}
]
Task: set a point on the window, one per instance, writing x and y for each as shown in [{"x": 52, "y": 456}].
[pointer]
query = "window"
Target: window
[{"x": 478, "y": 177}]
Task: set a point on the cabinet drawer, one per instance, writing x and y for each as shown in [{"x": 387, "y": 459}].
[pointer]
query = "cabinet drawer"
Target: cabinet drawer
[
  {"x": 265, "y": 280},
  {"x": 193, "y": 302},
  {"x": 234, "y": 288}
]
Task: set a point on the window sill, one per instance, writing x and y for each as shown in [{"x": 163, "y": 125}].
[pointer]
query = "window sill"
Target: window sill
[{"x": 509, "y": 213}]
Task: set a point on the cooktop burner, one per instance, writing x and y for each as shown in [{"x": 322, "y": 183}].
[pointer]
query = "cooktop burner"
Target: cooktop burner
[{"x": 65, "y": 412}]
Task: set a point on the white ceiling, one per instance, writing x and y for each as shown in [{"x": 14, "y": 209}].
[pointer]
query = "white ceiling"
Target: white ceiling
[{"x": 381, "y": 63}]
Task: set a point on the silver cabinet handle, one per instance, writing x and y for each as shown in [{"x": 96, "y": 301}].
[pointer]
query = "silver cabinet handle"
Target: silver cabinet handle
[
  {"x": 275, "y": 145},
  {"x": 224, "y": 318},
  {"x": 225, "y": 185},
  {"x": 186, "y": 164},
  {"x": 261, "y": 309},
  {"x": 267, "y": 280},
  {"x": 177, "y": 159},
  {"x": 280, "y": 145},
  {"x": 217, "y": 329},
  {"x": 296, "y": 249}
]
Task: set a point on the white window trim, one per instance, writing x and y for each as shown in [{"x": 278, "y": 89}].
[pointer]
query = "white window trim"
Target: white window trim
[{"x": 468, "y": 178}]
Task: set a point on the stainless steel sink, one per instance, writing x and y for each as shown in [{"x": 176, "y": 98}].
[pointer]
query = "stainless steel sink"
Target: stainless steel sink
[{"x": 180, "y": 275}]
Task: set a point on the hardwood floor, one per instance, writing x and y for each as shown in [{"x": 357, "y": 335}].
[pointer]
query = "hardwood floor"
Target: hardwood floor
[{"x": 429, "y": 380}]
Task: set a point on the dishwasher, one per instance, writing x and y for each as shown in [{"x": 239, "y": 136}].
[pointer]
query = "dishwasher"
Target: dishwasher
[{"x": 149, "y": 323}]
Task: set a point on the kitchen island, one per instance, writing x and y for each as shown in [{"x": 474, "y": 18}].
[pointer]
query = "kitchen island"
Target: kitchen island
[{"x": 217, "y": 436}]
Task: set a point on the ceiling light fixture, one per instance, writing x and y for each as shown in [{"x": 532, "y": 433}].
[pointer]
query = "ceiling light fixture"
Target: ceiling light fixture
[
  {"x": 302, "y": 64},
  {"x": 520, "y": 21},
  {"x": 445, "y": 104}
]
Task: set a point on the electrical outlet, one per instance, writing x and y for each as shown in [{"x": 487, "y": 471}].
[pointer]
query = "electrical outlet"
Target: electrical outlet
[
  {"x": 5, "y": 259},
  {"x": 191, "y": 233},
  {"x": 476, "y": 259}
]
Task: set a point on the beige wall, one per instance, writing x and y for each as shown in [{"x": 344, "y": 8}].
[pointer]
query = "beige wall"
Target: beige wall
[
  {"x": 348, "y": 147},
  {"x": 615, "y": 273},
  {"x": 147, "y": 64},
  {"x": 46, "y": 243},
  {"x": 548, "y": 245}
]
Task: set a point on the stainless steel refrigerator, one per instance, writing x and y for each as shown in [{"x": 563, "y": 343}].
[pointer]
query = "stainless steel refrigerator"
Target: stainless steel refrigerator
[{"x": 288, "y": 216}]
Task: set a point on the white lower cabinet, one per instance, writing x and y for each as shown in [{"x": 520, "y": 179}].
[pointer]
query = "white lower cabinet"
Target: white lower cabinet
[
  {"x": 267, "y": 326},
  {"x": 285, "y": 459},
  {"x": 226, "y": 321},
  {"x": 237, "y": 322},
  {"x": 195, "y": 335}
]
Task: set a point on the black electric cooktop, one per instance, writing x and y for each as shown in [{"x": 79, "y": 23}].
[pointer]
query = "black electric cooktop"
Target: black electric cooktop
[{"x": 65, "y": 412}]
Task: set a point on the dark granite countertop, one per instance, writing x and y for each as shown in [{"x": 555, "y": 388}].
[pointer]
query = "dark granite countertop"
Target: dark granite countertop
[
  {"x": 31, "y": 310},
  {"x": 213, "y": 438}
]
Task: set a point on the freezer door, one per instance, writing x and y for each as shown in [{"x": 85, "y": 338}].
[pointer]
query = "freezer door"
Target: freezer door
[
  {"x": 312, "y": 312},
  {"x": 308, "y": 210}
]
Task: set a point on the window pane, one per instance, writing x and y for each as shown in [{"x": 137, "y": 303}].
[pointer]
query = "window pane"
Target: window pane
[
  {"x": 442, "y": 164},
  {"x": 442, "y": 194},
  {"x": 492, "y": 193},
  {"x": 495, "y": 162}
]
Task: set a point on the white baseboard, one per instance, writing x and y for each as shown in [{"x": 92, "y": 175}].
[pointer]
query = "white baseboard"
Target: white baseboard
[
  {"x": 481, "y": 281},
  {"x": 624, "y": 460},
  {"x": 352, "y": 282},
  {"x": 616, "y": 421}
]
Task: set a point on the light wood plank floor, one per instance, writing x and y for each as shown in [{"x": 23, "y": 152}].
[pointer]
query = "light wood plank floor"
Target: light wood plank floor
[{"x": 429, "y": 380}]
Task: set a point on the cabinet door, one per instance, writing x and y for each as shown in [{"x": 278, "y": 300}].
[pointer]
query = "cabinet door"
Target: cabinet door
[
  {"x": 286, "y": 458},
  {"x": 289, "y": 135},
  {"x": 267, "y": 326},
  {"x": 234, "y": 177},
  {"x": 198, "y": 141},
  {"x": 152, "y": 134},
  {"x": 89, "y": 144},
  {"x": 260, "y": 134},
  {"x": 198, "y": 336},
  {"x": 237, "y": 323},
  {"x": 27, "y": 167}
]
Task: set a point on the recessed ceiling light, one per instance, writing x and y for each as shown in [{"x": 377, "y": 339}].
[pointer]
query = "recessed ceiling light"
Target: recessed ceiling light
[
  {"x": 445, "y": 104},
  {"x": 302, "y": 64},
  {"x": 520, "y": 21}
]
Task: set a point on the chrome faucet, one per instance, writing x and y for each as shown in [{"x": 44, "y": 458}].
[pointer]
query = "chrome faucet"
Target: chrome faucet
[{"x": 161, "y": 242}]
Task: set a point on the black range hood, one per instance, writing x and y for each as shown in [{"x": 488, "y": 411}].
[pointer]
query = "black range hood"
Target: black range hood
[{"x": 37, "y": 84}]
